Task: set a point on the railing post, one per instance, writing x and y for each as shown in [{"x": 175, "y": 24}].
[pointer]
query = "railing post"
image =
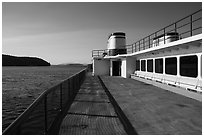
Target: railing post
[
  {"x": 61, "y": 97},
  {"x": 156, "y": 44},
  {"x": 143, "y": 44},
  {"x": 45, "y": 110},
  {"x": 79, "y": 79},
  {"x": 139, "y": 45},
  {"x": 73, "y": 86},
  {"x": 164, "y": 36},
  {"x": 175, "y": 26},
  {"x": 132, "y": 48},
  {"x": 149, "y": 41},
  {"x": 191, "y": 25},
  {"x": 69, "y": 90},
  {"x": 77, "y": 82}
]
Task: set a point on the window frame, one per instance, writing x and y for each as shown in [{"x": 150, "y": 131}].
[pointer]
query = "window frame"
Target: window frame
[
  {"x": 169, "y": 73},
  {"x": 156, "y": 66},
  {"x": 143, "y": 66},
  {"x": 151, "y": 65},
  {"x": 182, "y": 69}
]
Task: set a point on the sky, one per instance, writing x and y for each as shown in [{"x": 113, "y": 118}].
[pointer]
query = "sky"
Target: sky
[{"x": 67, "y": 32}]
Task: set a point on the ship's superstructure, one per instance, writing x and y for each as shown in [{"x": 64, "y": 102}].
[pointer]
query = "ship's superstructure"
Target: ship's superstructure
[{"x": 172, "y": 55}]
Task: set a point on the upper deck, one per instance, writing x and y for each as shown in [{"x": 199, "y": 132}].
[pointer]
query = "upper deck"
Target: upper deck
[
  {"x": 189, "y": 29},
  {"x": 182, "y": 43}
]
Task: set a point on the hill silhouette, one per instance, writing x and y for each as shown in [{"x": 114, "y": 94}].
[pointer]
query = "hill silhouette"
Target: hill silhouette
[{"x": 8, "y": 60}]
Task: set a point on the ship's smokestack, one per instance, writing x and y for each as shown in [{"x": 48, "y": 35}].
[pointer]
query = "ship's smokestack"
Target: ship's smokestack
[{"x": 116, "y": 43}]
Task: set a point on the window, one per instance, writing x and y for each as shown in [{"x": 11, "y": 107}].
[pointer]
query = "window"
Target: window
[
  {"x": 137, "y": 64},
  {"x": 171, "y": 66},
  {"x": 159, "y": 65},
  {"x": 189, "y": 66},
  {"x": 150, "y": 65},
  {"x": 201, "y": 65},
  {"x": 143, "y": 65}
]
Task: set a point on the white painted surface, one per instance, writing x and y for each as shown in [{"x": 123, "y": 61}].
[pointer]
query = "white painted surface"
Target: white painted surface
[
  {"x": 168, "y": 39},
  {"x": 116, "y": 43},
  {"x": 184, "y": 47},
  {"x": 177, "y": 80},
  {"x": 111, "y": 67},
  {"x": 190, "y": 41},
  {"x": 128, "y": 67},
  {"x": 101, "y": 66},
  {"x": 181, "y": 91},
  {"x": 123, "y": 68}
]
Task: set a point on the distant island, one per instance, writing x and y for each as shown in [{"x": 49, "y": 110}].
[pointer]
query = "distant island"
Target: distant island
[
  {"x": 8, "y": 60},
  {"x": 72, "y": 64}
]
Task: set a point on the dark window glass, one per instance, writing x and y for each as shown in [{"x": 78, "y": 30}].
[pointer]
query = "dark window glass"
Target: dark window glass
[
  {"x": 137, "y": 64},
  {"x": 189, "y": 66},
  {"x": 201, "y": 65},
  {"x": 150, "y": 65},
  {"x": 171, "y": 66},
  {"x": 159, "y": 65},
  {"x": 143, "y": 65}
]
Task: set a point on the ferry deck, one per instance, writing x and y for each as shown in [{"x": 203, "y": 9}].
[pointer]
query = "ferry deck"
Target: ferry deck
[
  {"x": 151, "y": 87},
  {"x": 126, "y": 106}
]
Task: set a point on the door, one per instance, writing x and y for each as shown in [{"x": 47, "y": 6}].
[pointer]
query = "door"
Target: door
[{"x": 116, "y": 68}]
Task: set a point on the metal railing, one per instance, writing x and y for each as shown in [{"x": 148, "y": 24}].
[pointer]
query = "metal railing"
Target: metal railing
[
  {"x": 99, "y": 53},
  {"x": 186, "y": 27},
  {"x": 40, "y": 116}
]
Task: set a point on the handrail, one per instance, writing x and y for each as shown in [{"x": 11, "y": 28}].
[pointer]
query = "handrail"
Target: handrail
[
  {"x": 41, "y": 114},
  {"x": 176, "y": 27}
]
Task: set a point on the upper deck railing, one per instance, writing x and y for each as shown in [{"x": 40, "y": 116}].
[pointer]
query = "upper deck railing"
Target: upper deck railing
[
  {"x": 44, "y": 113},
  {"x": 186, "y": 27}
]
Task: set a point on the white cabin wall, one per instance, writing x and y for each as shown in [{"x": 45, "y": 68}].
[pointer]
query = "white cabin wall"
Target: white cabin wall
[
  {"x": 111, "y": 68},
  {"x": 128, "y": 66},
  {"x": 182, "y": 50},
  {"x": 123, "y": 68},
  {"x": 101, "y": 67}
]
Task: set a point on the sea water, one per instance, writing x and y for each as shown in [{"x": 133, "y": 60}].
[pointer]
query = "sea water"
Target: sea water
[{"x": 22, "y": 85}]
